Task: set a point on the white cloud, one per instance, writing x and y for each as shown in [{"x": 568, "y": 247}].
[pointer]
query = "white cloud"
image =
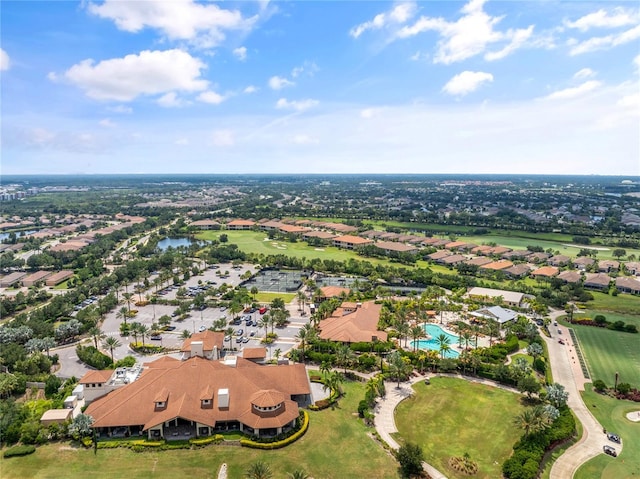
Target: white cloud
[
  {"x": 417, "y": 56},
  {"x": 584, "y": 73},
  {"x": 619, "y": 17},
  {"x": 170, "y": 100},
  {"x": 469, "y": 36},
  {"x": 369, "y": 113},
  {"x": 211, "y": 97},
  {"x": 181, "y": 141},
  {"x": 5, "y": 63},
  {"x": 278, "y": 83},
  {"x": 309, "y": 67},
  {"x": 636, "y": 62},
  {"x": 250, "y": 89},
  {"x": 223, "y": 138},
  {"x": 466, "y": 82},
  {"x": 240, "y": 53},
  {"x": 302, "y": 105},
  {"x": 203, "y": 24},
  {"x": 399, "y": 14},
  {"x": 574, "y": 92},
  {"x": 120, "y": 109},
  {"x": 149, "y": 73},
  {"x": 304, "y": 139},
  {"x": 606, "y": 42},
  {"x": 107, "y": 123}
]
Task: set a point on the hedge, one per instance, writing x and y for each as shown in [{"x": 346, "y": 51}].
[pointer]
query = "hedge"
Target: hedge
[
  {"x": 19, "y": 451},
  {"x": 285, "y": 442}
]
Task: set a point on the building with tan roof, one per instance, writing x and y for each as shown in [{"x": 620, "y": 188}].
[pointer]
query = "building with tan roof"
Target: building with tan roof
[
  {"x": 545, "y": 272},
  {"x": 583, "y": 262},
  {"x": 255, "y": 354},
  {"x": 625, "y": 284},
  {"x": 517, "y": 270},
  {"x": 559, "y": 260},
  {"x": 512, "y": 298},
  {"x": 175, "y": 399},
  {"x": 497, "y": 265},
  {"x": 438, "y": 255},
  {"x": 608, "y": 265},
  {"x": 452, "y": 259},
  {"x": 599, "y": 281},
  {"x": 632, "y": 267},
  {"x": 323, "y": 235},
  {"x": 12, "y": 278},
  {"x": 353, "y": 323},
  {"x": 205, "y": 224},
  {"x": 570, "y": 276},
  {"x": 240, "y": 224},
  {"x": 327, "y": 292},
  {"x": 351, "y": 242},
  {"x": 478, "y": 261},
  {"x": 57, "y": 278},
  {"x": 35, "y": 278},
  {"x": 394, "y": 247}
]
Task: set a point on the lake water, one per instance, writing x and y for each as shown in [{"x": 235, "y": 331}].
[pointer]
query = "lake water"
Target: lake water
[
  {"x": 4, "y": 236},
  {"x": 174, "y": 243}
]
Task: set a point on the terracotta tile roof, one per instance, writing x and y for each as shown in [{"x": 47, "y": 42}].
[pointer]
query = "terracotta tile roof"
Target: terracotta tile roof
[
  {"x": 479, "y": 261},
  {"x": 267, "y": 398},
  {"x": 333, "y": 291},
  {"x": 398, "y": 247},
  {"x": 96, "y": 376},
  {"x": 498, "y": 265},
  {"x": 570, "y": 276},
  {"x": 185, "y": 381},
  {"x": 241, "y": 223},
  {"x": 360, "y": 325},
  {"x": 209, "y": 340},
  {"x": 349, "y": 239},
  {"x": 546, "y": 271},
  {"x": 254, "y": 353}
]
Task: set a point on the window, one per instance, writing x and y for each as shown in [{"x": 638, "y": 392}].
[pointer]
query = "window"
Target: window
[
  {"x": 205, "y": 402},
  {"x": 161, "y": 404}
]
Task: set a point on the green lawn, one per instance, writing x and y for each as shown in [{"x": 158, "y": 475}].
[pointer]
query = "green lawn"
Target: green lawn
[
  {"x": 623, "y": 303},
  {"x": 607, "y": 352},
  {"x": 268, "y": 297},
  {"x": 337, "y": 445},
  {"x": 451, "y": 417},
  {"x": 611, "y": 413}
]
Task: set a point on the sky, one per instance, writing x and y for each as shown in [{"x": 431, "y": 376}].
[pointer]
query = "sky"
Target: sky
[{"x": 181, "y": 86}]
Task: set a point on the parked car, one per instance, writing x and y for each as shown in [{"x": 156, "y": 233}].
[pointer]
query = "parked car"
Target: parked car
[
  {"x": 559, "y": 331},
  {"x": 252, "y": 333},
  {"x": 561, "y": 341},
  {"x": 245, "y": 339},
  {"x": 156, "y": 338},
  {"x": 613, "y": 437},
  {"x": 262, "y": 310},
  {"x": 239, "y": 332},
  {"x": 239, "y": 339},
  {"x": 170, "y": 328},
  {"x": 202, "y": 328},
  {"x": 610, "y": 450}
]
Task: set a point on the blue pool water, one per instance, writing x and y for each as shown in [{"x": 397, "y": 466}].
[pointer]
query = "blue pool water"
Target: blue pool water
[{"x": 434, "y": 331}]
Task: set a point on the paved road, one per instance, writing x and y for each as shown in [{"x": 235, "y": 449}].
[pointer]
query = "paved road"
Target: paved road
[{"x": 566, "y": 371}]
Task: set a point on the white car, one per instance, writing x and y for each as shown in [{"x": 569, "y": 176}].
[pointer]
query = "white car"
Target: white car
[{"x": 202, "y": 328}]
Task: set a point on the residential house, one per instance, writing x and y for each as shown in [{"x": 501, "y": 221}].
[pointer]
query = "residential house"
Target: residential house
[
  {"x": 452, "y": 259},
  {"x": 240, "y": 224},
  {"x": 499, "y": 265},
  {"x": 12, "y": 278},
  {"x": 517, "y": 271},
  {"x": 599, "y": 281},
  {"x": 175, "y": 399},
  {"x": 570, "y": 276},
  {"x": 538, "y": 257},
  {"x": 632, "y": 267},
  {"x": 608, "y": 266},
  {"x": 438, "y": 255},
  {"x": 478, "y": 261},
  {"x": 350, "y": 242},
  {"x": 57, "y": 278},
  {"x": 206, "y": 224},
  {"x": 393, "y": 247},
  {"x": 559, "y": 260},
  {"x": 353, "y": 323},
  {"x": 36, "y": 277},
  {"x": 583, "y": 262},
  {"x": 546, "y": 272},
  {"x": 625, "y": 284}
]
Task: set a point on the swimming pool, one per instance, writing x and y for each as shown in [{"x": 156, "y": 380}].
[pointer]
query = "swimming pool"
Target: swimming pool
[{"x": 434, "y": 331}]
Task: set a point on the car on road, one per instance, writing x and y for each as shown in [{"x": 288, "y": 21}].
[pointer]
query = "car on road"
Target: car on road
[
  {"x": 170, "y": 328},
  {"x": 609, "y": 450},
  {"x": 239, "y": 339},
  {"x": 252, "y": 333},
  {"x": 559, "y": 331},
  {"x": 202, "y": 328},
  {"x": 245, "y": 339},
  {"x": 239, "y": 332},
  {"x": 561, "y": 341},
  {"x": 613, "y": 437},
  {"x": 156, "y": 338},
  {"x": 262, "y": 310}
]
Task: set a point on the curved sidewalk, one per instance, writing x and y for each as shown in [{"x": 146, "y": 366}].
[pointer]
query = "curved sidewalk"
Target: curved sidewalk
[
  {"x": 385, "y": 420},
  {"x": 565, "y": 368}
]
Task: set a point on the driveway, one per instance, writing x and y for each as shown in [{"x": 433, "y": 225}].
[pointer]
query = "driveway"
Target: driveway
[{"x": 566, "y": 371}]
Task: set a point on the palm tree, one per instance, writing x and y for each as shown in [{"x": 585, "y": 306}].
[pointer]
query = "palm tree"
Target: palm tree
[
  {"x": 143, "y": 330},
  {"x": 344, "y": 356},
  {"x": 298, "y": 474},
  {"x": 303, "y": 335},
  {"x": 417, "y": 332},
  {"x": 397, "y": 366},
  {"x": 186, "y": 334},
  {"x": 111, "y": 343},
  {"x": 333, "y": 381},
  {"x": 302, "y": 298},
  {"x": 277, "y": 353},
  {"x": 96, "y": 334},
  {"x": 443, "y": 342},
  {"x": 325, "y": 367},
  {"x": 532, "y": 420},
  {"x": 403, "y": 331},
  {"x": 123, "y": 313},
  {"x": 259, "y": 470},
  {"x": 492, "y": 330},
  {"x": 127, "y": 297}
]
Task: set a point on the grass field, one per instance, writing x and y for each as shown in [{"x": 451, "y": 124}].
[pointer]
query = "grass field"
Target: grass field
[
  {"x": 623, "y": 303},
  {"x": 268, "y": 297},
  {"x": 451, "y": 417},
  {"x": 611, "y": 413},
  {"x": 608, "y": 352},
  {"x": 336, "y": 446},
  {"x": 254, "y": 242}
]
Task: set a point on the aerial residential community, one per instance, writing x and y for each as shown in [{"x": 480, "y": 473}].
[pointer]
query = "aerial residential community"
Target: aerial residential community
[{"x": 320, "y": 240}]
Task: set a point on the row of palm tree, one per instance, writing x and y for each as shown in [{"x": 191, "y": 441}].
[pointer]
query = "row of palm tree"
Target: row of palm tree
[{"x": 262, "y": 470}]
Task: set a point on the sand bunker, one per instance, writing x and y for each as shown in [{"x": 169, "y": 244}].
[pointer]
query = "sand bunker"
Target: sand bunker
[{"x": 634, "y": 416}]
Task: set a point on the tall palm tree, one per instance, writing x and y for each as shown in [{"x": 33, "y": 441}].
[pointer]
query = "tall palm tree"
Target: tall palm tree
[
  {"x": 143, "y": 330},
  {"x": 123, "y": 313},
  {"x": 403, "y": 329},
  {"x": 111, "y": 343},
  {"x": 302, "y": 298},
  {"x": 493, "y": 330},
  {"x": 417, "y": 332},
  {"x": 127, "y": 298},
  {"x": 344, "y": 356},
  {"x": 532, "y": 420},
  {"x": 303, "y": 333},
  {"x": 96, "y": 334},
  {"x": 443, "y": 342},
  {"x": 397, "y": 366},
  {"x": 259, "y": 470},
  {"x": 333, "y": 382}
]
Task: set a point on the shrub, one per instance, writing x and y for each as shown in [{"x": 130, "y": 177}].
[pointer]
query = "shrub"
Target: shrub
[
  {"x": 624, "y": 388},
  {"x": 92, "y": 357},
  {"x": 599, "y": 385},
  {"x": 304, "y": 425},
  {"x": 19, "y": 451},
  {"x": 410, "y": 457}
]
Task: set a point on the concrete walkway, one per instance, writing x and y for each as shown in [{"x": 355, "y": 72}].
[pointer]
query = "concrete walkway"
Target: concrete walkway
[
  {"x": 566, "y": 371},
  {"x": 385, "y": 418}
]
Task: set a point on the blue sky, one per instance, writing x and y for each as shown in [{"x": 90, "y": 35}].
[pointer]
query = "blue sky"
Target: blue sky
[{"x": 112, "y": 86}]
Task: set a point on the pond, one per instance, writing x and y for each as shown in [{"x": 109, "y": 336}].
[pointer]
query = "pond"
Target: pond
[
  {"x": 4, "y": 236},
  {"x": 174, "y": 243}
]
